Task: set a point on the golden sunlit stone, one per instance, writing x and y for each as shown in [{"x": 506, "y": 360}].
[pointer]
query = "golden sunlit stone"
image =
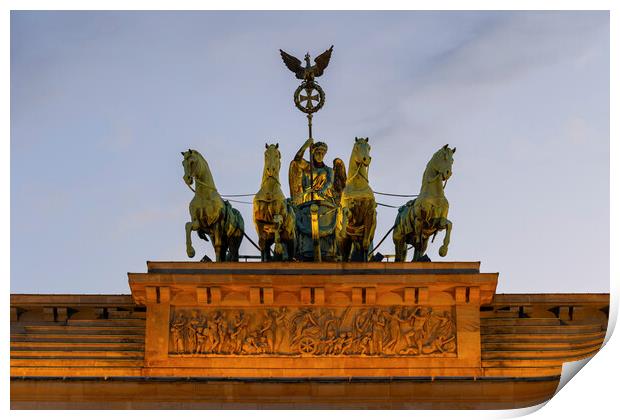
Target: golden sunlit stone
[{"x": 300, "y": 335}]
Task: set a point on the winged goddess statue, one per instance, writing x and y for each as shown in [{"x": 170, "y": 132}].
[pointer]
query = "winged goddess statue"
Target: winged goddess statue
[{"x": 309, "y": 72}]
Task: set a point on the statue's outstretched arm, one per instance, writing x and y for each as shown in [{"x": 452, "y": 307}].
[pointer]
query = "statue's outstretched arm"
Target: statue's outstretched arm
[
  {"x": 300, "y": 153},
  {"x": 295, "y": 171}
]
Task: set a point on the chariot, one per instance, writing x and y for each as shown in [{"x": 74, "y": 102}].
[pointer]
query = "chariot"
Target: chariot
[{"x": 316, "y": 228}]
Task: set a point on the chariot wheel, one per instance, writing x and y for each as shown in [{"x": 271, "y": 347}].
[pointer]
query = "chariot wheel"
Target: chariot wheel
[
  {"x": 307, "y": 345},
  {"x": 309, "y": 97}
]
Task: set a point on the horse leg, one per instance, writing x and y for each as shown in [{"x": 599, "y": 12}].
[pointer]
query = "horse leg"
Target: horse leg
[
  {"x": 216, "y": 238},
  {"x": 418, "y": 239},
  {"x": 347, "y": 244},
  {"x": 291, "y": 234},
  {"x": 225, "y": 249},
  {"x": 232, "y": 236},
  {"x": 400, "y": 250},
  {"x": 233, "y": 247},
  {"x": 355, "y": 255},
  {"x": 271, "y": 255},
  {"x": 288, "y": 245},
  {"x": 262, "y": 244},
  {"x": 189, "y": 227},
  {"x": 400, "y": 243},
  {"x": 340, "y": 246},
  {"x": 266, "y": 249},
  {"x": 418, "y": 234},
  {"x": 416, "y": 254},
  {"x": 447, "y": 225},
  {"x": 283, "y": 238},
  {"x": 342, "y": 239},
  {"x": 420, "y": 251},
  {"x": 290, "y": 249},
  {"x": 369, "y": 233},
  {"x": 278, "y": 250},
  {"x": 289, "y": 237}
]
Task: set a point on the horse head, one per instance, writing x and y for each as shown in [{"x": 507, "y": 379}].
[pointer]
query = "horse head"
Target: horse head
[
  {"x": 361, "y": 151},
  {"x": 195, "y": 167},
  {"x": 191, "y": 166},
  {"x": 272, "y": 161},
  {"x": 442, "y": 161}
]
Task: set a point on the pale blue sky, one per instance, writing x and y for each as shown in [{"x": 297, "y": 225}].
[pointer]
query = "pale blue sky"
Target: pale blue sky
[{"x": 103, "y": 102}]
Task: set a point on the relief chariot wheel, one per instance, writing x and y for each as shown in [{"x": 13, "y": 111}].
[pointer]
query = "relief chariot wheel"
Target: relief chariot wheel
[
  {"x": 307, "y": 345},
  {"x": 309, "y": 97}
]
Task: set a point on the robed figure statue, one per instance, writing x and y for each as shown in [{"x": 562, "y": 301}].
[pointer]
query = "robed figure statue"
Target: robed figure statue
[
  {"x": 316, "y": 181},
  {"x": 315, "y": 192}
]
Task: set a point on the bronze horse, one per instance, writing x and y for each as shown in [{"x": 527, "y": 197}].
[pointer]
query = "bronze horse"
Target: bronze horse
[
  {"x": 274, "y": 217},
  {"x": 357, "y": 215},
  {"x": 423, "y": 217},
  {"x": 210, "y": 215}
]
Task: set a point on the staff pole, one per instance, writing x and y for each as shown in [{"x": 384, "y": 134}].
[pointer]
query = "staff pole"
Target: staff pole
[{"x": 311, "y": 160}]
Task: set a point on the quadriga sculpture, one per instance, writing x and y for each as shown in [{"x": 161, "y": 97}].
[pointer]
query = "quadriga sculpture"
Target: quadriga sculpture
[
  {"x": 210, "y": 214},
  {"x": 357, "y": 215},
  {"x": 274, "y": 216},
  {"x": 423, "y": 217}
]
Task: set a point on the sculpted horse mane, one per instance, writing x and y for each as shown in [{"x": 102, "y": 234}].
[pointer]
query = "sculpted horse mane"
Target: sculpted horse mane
[{"x": 210, "y": 215}]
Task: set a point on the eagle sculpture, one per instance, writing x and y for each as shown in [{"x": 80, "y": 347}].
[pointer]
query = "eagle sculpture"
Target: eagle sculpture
[{"x": 309, "y": 72}]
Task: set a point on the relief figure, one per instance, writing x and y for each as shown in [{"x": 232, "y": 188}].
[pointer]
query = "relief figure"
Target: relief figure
[{"x": 397, "y": 331}]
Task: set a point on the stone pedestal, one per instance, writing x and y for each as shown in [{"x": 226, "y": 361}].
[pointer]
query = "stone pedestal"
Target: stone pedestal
[
  {"x": 292, "y": 320},
  {"x": 300, "y": 335}
]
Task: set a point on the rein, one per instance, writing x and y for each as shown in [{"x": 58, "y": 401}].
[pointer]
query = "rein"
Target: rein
[
  {"x": 437, "y": 176},
  {"x": 204, "y": 184},
  {"x": 357, "y": 172},
  {"x": 273, "y": 177},
  {"x": 265, "y": 177}
]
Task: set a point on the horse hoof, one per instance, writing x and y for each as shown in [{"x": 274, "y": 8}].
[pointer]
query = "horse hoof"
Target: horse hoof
[
  {"x": 443, "y": 251},
  {"x": 191, "y": 252},
  {"x": 423, "y": 258}
]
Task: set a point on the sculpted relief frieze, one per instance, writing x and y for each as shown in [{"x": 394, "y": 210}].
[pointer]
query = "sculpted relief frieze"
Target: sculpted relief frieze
[{"x": 375, "y": 331}]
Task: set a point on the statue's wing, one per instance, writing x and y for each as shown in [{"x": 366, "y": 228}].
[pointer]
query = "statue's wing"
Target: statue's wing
[
  {"x": 322, "y": 61},
  {"x": 295, "y": 179},
  {"x": 293, "y": 64},
  {"x": 340, "y": 176}
]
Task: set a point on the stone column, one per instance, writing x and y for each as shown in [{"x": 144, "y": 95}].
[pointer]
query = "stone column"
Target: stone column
[
  {"x": 467, "y": 301},
  {"x": 157, "y": 324}
]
